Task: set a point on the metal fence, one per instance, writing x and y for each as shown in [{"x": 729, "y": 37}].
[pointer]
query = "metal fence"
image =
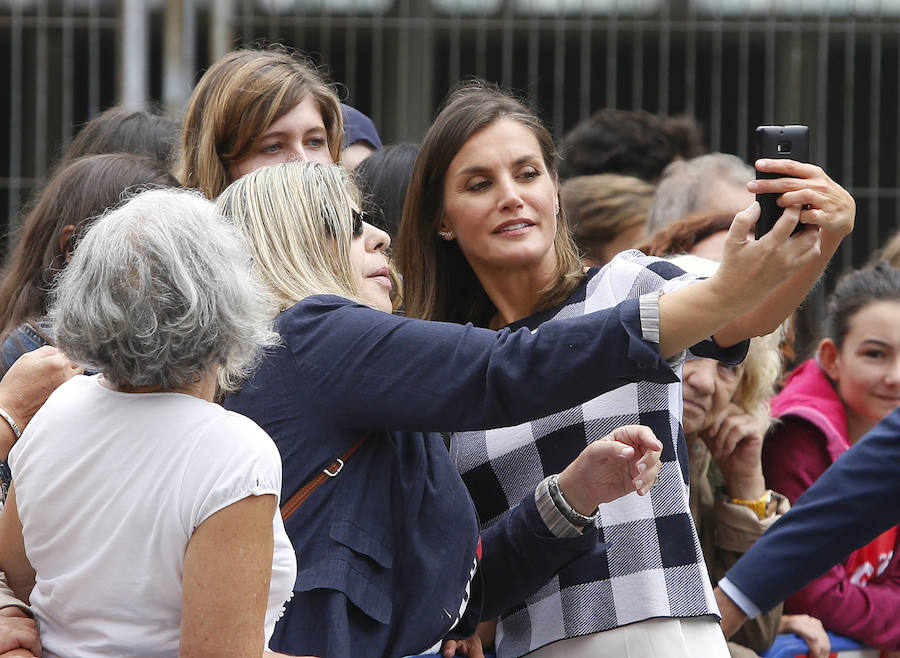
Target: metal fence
[{"x": 834, "y": 65}]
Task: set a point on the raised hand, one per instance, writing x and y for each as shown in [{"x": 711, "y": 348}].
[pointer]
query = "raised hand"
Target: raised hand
[{"x": 625, "y": 460}]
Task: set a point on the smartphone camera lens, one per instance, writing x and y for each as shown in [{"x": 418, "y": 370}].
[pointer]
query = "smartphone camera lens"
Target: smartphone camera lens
[{"x": 783, "y": 147}]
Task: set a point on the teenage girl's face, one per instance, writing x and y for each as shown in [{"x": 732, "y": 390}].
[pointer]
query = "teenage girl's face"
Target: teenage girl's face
[
  {"x": 867, "y": 367},
  {"x": 708, "y": 386},
  {"x": 370, "y": 266},
  {"x": 299, "y": 134},
  {"x": 500, "y": 201}
]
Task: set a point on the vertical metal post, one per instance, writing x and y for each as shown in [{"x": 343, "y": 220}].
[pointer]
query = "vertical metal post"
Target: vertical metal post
[
  {"x": 846, "y": 251},
  {"x": 41, "y": 116},
  {"x": 179, "y": 51},
  {"x": 67, "y": 65},
  {"x": 873, "y": 233},
  {"x": 221, "y": 37},
  {"x": 665, "y": 45},
  {"x": 16, "y": 101},
  {"x": 134, "y": 55},
  {"x": 584, "y": 69},
  {"x": 715, "y": 114},
  {"x": 690, "y": 62},
  {"x": 94, "y": 59},
  {"x": 612, "y": 57},
  {"x": 559, "y": 74}
]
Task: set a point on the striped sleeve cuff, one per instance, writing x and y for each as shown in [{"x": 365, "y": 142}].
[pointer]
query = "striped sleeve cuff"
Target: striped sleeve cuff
[
  {"x": 558, "y": 525},
  {"x": 649, "y": 309}
]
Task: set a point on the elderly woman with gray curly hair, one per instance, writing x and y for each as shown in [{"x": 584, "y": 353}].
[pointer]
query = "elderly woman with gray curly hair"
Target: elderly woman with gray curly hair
[{"x": 143, "y": 517}]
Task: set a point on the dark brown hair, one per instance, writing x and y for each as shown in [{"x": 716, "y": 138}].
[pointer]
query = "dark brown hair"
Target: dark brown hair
[
  {"x": 439, "y": 283},
  {"x": 76, "y": 194},
  {"x": 854, "y": 291},
  {"x": 680, "y": 237},
  {"x": 121, "y": 130}
]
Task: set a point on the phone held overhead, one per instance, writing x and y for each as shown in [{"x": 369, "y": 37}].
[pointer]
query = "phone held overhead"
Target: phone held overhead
[{"x": 782, "y": 142}]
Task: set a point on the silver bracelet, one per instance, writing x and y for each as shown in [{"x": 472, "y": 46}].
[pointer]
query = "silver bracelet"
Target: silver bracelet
[
  {"x": 12, "y": 423},
  {"x": 571, "y": 515}
]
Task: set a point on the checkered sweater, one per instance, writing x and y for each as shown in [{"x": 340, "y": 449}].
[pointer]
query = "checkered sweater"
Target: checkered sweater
[{"x": 652, "y": 565}]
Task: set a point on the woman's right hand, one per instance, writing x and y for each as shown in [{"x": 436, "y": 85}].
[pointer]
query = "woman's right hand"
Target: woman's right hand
[
  {"x": 30, "y": 381},
  {"x": 752, "y": 268},
  {"x": 18, "y": 634},
  {"x": 625, "y": 460},
  {"x": 810, "y": 631}
]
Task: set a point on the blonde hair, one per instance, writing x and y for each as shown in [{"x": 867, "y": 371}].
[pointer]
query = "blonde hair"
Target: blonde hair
[
  {"x": 297, "y": 220},
  {"x": 761, "y": 371},
  {"x": 235, "y": 102}
]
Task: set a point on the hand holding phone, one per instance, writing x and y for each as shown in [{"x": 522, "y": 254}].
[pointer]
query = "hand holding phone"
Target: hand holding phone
[{"x": 779, "y": 142}]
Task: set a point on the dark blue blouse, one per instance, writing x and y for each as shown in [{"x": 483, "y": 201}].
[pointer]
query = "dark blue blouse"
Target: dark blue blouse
[{"x": 385, "y": 549}]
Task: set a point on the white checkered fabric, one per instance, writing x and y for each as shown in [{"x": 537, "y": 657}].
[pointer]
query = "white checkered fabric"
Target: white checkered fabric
[{"x": 652, "y": 565}]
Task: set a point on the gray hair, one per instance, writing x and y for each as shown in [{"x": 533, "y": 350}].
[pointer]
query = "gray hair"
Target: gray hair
[
  {"x": 685, "y": 185},
  {"x": 158, "y": 292}
]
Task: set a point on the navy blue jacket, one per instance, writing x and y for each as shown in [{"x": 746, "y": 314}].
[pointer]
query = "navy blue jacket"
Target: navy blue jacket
[
  {"x": 385, "y": 549},
  {"x": 855, "y": 500}
]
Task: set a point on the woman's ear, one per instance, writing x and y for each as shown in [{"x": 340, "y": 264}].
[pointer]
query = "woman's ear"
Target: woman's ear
[
  {"x": 66, "y": 248},
  {"x": 829, "y": 359}
]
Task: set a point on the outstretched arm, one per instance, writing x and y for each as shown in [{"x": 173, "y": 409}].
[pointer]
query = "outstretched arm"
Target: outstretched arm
[{"x": 853, "y": 502}]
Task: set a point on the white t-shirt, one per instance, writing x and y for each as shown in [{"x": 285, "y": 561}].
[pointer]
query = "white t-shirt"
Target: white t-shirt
[{"x": 109, "y": 487}]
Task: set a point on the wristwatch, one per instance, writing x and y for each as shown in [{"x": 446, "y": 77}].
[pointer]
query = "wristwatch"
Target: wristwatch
[
  {"x": 760, "y": 506},
  {"x": 571, "y": 515}
]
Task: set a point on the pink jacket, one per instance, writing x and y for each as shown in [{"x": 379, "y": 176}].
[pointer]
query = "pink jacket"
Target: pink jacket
[{"x": 812, "y": 435}]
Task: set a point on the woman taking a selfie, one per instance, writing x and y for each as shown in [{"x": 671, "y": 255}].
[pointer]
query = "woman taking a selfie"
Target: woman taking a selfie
[
  {"x": 483, "y": 240},
  {"x": 386, "y": 548}
]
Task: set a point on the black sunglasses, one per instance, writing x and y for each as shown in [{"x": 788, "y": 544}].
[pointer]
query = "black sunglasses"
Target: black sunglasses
[
  {"x": 359, "y": 216},
  {"x": 356, "y": 229}
]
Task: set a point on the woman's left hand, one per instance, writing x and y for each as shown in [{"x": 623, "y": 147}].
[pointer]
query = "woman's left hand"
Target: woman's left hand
[
  {"x": 625, "y": 460},
  {"x": 470, "y": 647},
  {"x": 825, "y": 203},
  {"x": 735, "y": 441}
]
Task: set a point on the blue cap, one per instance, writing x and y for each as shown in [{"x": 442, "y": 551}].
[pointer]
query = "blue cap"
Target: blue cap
[{"x": 359, "y": 128}]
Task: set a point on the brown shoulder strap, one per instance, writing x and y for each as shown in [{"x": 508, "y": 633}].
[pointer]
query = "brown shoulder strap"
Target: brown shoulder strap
[{"x": 329, "y": 472}]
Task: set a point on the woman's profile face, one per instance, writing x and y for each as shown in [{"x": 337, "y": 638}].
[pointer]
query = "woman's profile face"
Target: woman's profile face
[
  {"x": 370, "y": 266},
  {"x": 500, "y": 200},
  {"x": 866, "y": 369},
  {"x": 708, "y": 386},
  {"x": 298, "y": 134}
]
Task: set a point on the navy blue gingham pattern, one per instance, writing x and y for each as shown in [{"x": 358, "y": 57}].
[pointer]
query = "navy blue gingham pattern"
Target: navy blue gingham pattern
[{"x": 652, "y": 565}]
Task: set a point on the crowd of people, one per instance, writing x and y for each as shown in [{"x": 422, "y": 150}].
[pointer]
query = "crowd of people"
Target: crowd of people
[{"x": 274, "y": 388}]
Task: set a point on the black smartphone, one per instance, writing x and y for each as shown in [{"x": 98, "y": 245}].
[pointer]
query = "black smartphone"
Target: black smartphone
[{"x": 787, "y": 142}]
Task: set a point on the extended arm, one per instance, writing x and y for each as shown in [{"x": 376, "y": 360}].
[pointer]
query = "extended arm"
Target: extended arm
[
  {"x": 867, "y": 613},
  {"x": 371, "y": 370},
  {"x": 853, "y": 502}
]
